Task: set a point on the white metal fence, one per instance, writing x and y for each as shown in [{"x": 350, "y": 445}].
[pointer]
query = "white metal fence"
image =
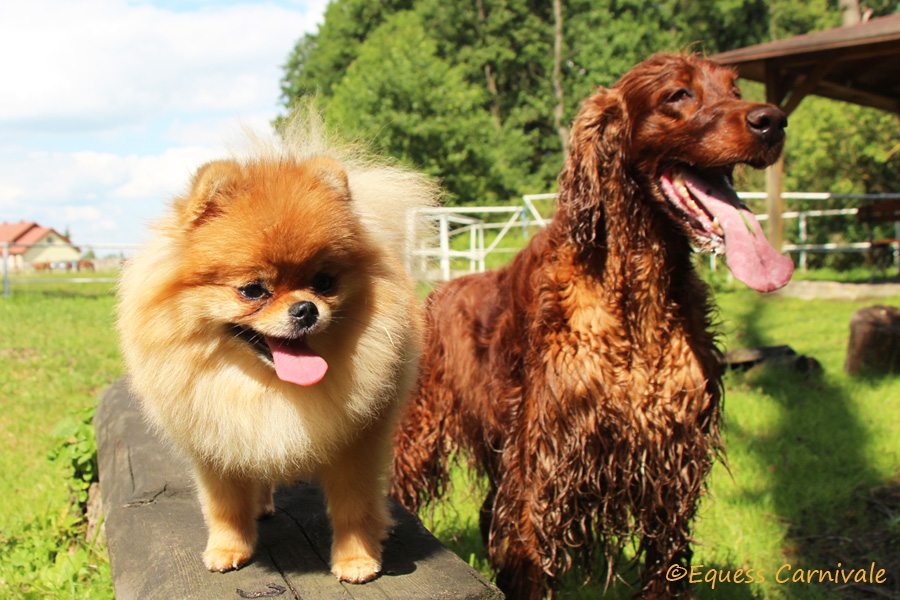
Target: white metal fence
[
  {"x": 446, "y": 256},
  {"x": 466, "y": 236}
]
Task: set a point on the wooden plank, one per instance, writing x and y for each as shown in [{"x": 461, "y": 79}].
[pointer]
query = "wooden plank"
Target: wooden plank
[
  {"x": 878, "y": 212},
  {"x": 156, "y": 533}
]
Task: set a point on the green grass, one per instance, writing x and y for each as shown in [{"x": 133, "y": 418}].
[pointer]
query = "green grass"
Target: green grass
[
  {"x": 58, "y": 351},
  {"x": 804, "y": 455}
]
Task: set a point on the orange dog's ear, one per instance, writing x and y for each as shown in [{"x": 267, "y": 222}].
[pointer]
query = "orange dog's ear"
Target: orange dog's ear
[
  {"x": 331, "y": 173},
  {"x": 596, "y": 151},
  {"x": 212, "y": 187}
]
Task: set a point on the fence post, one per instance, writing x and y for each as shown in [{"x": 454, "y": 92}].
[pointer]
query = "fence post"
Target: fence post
[
  {"x": 445, "y": 247},
  {"x": 895, "y": 246},
  {"x": 473, "y": 248},
  {"x": 6, "y": 269},
  {"x": 803, "y": 238},
  {"x": 482, "y": 260}
]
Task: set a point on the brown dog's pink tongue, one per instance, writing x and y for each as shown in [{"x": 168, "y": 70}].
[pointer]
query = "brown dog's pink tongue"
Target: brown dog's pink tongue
[
  {"x": 749, "y": 255},
  {"x": 296, "y": 362}
]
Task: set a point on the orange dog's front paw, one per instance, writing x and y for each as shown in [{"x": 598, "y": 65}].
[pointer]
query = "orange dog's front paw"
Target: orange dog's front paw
[
  {"x": 356, "y": 570},
  {"x": 225, "y": 559}
]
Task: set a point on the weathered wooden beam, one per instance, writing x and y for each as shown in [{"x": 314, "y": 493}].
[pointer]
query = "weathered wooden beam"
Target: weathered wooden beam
[
  {"x": 156, "y": 533},
  {"x": 774, "y": 356}
]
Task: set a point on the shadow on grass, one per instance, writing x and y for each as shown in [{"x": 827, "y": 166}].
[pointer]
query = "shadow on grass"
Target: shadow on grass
[{"x": 818, "y": 471}]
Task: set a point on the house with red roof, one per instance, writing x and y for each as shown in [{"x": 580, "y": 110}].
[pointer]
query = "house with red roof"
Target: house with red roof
[{"x": 54, "y": 247}]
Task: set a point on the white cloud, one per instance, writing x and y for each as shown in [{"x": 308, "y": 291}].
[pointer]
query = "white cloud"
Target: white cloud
[
  {"x": 83, "y": 189},
  {"x": 8, "y": 195},
  {"x": 81, "y": 213},
  {"x": 217, "y": 131},
  {"x": 110, "y": 105},
  {"x": 164, "y": 175},
  {"x": 105, "y": 63},
  {"x": 104, "y": 226}
]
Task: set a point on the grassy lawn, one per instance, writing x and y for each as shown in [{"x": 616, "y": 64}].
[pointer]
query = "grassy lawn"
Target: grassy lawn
[
  {"x": 57, "y": 352},
  {"x": 810, "y": 460}
]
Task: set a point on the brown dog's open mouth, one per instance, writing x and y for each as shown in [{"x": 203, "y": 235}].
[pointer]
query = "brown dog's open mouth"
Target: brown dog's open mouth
[
  {"x": 720, "y": 221},
  {"x": 706, "y": 227},
  {"x": 294, "y": 361}
]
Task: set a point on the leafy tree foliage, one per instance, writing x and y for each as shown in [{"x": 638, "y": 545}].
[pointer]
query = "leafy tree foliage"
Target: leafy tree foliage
[
  {"x": 465, "y": 90},
  {"x": 418, "y": 107}
]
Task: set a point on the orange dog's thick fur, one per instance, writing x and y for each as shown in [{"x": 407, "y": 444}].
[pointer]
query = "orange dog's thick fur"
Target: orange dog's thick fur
[
  {"x": 272, "y": 334},
  {"x": 583, "y": 379}
]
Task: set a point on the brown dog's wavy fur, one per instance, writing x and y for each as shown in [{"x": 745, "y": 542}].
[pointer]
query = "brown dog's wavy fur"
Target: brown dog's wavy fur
[{"x": 583, "y": 378}]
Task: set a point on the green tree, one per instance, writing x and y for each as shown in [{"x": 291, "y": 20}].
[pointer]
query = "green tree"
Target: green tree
[
  {"x": 417, "y": 107},
  {"x": 319, "y": 61},
  {"x": 465, "y": 90}
]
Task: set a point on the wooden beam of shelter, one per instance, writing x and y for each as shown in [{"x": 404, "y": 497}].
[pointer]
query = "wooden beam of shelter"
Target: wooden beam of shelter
[
  {"x": 856, "y": 63},
  {"x": 863, "y": 64}
]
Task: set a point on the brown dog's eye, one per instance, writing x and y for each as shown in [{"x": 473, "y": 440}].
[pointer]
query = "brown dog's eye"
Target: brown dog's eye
[
  {"x": 678, "y": 96},
  {"x": 323, "y": 283},
  {"x": 254, "y": 291}
]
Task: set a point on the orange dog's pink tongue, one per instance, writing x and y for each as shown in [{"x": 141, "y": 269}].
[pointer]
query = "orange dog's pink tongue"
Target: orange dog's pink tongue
[
  {"x": 296, "y": 362},
  {"x": 749, "y": 255}
]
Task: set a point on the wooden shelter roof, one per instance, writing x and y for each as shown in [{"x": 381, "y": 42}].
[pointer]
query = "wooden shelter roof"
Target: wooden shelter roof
[{"x": 857, "y": 63}]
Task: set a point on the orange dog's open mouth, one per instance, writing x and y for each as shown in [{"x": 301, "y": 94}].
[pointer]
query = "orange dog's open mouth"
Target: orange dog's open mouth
[
  {"x": 294, "y": 361},
  {"x": 720, "y": 220}
]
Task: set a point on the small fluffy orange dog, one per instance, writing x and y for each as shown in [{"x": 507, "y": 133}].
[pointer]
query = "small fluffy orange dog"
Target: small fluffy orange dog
[{"x": 272, "y": 333}]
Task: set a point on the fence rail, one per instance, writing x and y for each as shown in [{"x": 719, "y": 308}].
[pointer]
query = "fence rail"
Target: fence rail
[
  {"x": 468, "y": 222},
  {"x": 474, "y": 222}
]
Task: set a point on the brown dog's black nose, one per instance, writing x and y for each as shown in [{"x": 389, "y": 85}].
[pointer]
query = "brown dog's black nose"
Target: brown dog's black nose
[
  {"x": 768, "y": 123},
  {"x": 304, "y": 314}
]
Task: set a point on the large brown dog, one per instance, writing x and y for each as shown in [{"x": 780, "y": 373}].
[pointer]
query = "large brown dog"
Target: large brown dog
[{"x": 583, "y": 379}]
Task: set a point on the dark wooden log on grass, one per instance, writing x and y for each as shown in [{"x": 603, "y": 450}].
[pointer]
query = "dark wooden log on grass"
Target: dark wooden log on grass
[
  {"x": 156, "y": 534},
  {"x": 874, "y": 344},
  {"x": 783, "y": 357}
]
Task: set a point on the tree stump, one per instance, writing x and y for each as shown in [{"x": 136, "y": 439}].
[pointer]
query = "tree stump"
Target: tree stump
[{"x": 874, "y": 340}]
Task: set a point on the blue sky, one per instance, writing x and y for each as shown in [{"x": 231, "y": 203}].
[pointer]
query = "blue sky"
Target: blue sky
[{"x": 108, "y": 106}]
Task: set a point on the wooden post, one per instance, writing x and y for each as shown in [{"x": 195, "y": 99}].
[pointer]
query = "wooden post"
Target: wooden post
[
  {"x": 774, "y": 177},
  {"x": 775, "y": 173}
]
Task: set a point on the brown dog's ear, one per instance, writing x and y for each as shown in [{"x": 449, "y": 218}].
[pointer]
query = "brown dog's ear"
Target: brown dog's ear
[
  {"x": 331, "y": 173},
  {"x": 597, "y": 144},
  {"x": 211, "y": 189}
]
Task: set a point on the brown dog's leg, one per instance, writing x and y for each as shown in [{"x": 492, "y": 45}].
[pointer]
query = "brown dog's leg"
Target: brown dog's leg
[
  {"x": 658, "y": 558},
  {"x": 428, "y": 434},
  {"x": 520, "y": 578},
  {"x": 229, "y": 507},
  {"x": 513, "y": 545}
]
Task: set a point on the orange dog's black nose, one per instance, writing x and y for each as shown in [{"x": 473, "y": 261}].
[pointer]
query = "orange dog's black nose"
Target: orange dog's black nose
[
  {"x": 305, "y": 314},
  {"x": 767, "y": 123}
]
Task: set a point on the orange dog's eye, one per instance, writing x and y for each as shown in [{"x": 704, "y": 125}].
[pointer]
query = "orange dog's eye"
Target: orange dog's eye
[
  {"x": 323, "y": 283},
  {"x": 254, "y": 291}
]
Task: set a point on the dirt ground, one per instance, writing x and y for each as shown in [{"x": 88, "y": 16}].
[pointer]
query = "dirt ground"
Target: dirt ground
[{"x": 809, "y": 290}]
